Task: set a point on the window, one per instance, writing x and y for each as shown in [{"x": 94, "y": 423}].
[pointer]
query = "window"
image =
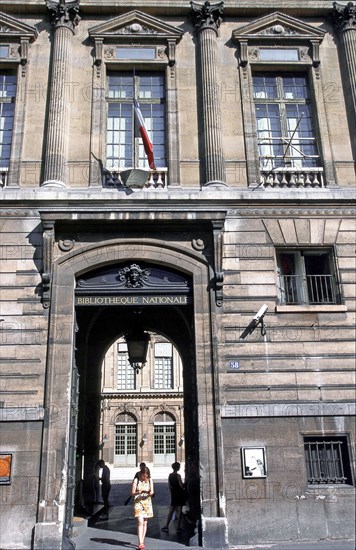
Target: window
[
  {"x": 164, "y": 439},
  {"x": 163, "y": 366},
  {"x": 125, "y": 440},
  {"x": 307, "y": 276},
  {"x": 7, "y": 106},
  {"x": 284, "y": 121},
  {"x": 327, "y": 460},
  {"x": 124, "y": 147},
  {"x": 125, "y": 373}
]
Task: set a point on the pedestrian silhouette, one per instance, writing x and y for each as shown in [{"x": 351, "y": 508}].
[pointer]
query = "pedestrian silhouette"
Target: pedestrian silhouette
[{"x": 178, "y": 497}]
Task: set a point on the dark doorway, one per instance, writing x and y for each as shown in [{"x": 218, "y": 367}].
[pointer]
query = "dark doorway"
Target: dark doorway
[{"x": 97, "y": 328}]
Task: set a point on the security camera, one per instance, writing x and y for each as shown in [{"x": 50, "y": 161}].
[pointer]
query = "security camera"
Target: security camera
[
  {"x": 261, "y": 312},
  {"x": 257, "y": 320}
]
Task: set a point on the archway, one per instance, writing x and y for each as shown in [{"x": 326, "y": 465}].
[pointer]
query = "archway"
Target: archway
[{"x": 191, "y": 333}]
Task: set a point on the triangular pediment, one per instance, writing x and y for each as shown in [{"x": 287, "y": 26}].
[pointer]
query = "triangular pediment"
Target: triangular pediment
[
  {"x": 278, "y": 25},
  {"x": 135, "y": 25},
  {"x": 12, "y": 28}
]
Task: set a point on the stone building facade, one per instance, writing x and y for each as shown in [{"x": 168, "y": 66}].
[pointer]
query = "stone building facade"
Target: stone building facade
[
  {"x": 244, "y": 201},
  {"x": 142, "y": 416}
]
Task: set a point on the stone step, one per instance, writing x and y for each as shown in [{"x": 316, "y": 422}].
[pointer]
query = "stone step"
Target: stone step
[
  {"x": 79, "y": 525},
  {"x": 127, "y": 474}
]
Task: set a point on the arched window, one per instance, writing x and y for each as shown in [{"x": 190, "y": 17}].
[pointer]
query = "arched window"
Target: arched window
[
  {"x": 125, "y": 440},
  {"x": 164, "y": 439}
]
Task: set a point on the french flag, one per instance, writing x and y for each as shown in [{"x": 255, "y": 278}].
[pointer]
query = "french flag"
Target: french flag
[{"x": 147, "y": 143}]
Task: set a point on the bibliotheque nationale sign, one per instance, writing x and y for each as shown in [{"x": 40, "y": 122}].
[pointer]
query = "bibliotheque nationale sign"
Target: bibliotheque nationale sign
[{"x": 133, "y": 300}]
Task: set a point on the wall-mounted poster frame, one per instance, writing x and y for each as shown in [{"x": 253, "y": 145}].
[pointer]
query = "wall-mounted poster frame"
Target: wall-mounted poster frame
[
  {"x": 5, "y": 468},
  {"x": 254, "y": 462}
]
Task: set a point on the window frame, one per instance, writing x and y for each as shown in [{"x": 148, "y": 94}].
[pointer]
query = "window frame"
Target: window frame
[
  {"x": 122, "y": 434},
  {"x": 17, "y": 36},
  {"x": 282, "y": 102},
  {"x": 278, "y": 31},
  {"x": 300, "y": 252},
  {"x": 161, "y": 353},
  {"x": 7, "y": 100},
  {"x": 133, "y": 30},
  {"x": 345, "y": 458},
  {"x": 164, "y": 430},
  {"x": 128, "y": 369},
  {"x": 138, "y": 157}
]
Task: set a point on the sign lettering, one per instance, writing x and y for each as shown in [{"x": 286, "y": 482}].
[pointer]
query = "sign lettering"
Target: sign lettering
[{"x": 130, "y": 300}]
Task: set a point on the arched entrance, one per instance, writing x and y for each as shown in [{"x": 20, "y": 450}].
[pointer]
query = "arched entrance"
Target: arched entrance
[{"x": 190, "y": 331}]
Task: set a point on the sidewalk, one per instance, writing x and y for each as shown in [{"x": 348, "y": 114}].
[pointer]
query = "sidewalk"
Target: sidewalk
[{"x": 119, "y": 532}]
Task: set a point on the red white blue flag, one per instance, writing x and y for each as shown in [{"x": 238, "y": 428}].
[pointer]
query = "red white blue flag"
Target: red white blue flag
[{"x": 147, "y": 143}]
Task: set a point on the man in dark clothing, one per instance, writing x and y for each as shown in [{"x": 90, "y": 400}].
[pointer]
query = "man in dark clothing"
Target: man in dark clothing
[
  {"x": 178, "y": 497},
  {"x": 104, "y": 477}
]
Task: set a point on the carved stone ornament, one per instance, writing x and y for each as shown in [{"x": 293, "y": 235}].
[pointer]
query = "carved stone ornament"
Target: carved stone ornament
[
  {"x": 48, "y": 243},
  {"x": 161, "y": 53},
  {"x": 218, "y": 228},
  {"x": 14, "y": 52},
  {"x": 109, "y": 53},
  {"x": 136, "y": 28},
  {"x": 278, "y": 30},
  {"x": 304, "y": 54},
  {"x": 207, "y": 15},
  {"x": 198, "y": 244},
  {"x": 253, "y": 54},
  {"x": 344, "y": 16},
  {"x": 66, "y": 244},
  {"x": 134, "y": 276},
  {"x": 64, "y": 14}
]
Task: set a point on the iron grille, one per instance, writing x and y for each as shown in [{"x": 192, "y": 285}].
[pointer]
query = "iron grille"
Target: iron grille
[{"x": 327, "y": 460}]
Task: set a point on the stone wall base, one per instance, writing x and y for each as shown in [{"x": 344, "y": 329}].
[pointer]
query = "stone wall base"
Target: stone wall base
[
  {"x": 215, "y": 533},
  {"x": 48, "y": 536}
]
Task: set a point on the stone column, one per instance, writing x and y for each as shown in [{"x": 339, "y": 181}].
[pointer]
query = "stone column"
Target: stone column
[
  {"x": 206, "y": 19},
  {"x": 65, "y": 17},
  {"x": 344, "y": 19}
]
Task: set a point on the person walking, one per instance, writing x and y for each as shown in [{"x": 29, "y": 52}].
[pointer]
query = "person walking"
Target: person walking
[
  {"x": 178, "y": 497},
  {"x": 142, "y": 491},
  {"x": 136, "y": 476},
  {"x": 104, "y": 478}
]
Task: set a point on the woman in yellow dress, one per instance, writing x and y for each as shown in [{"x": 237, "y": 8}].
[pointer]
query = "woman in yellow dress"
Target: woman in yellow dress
[{"x": 142, "y": 491}]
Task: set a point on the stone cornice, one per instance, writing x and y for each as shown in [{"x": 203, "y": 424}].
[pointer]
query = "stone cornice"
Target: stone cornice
[{"x": 298, "y": 408}]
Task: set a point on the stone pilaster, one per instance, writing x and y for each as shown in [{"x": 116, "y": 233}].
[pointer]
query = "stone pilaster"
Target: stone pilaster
[
  {"x": 344, "y": 19},
  {"x": 206, "y": 19},
  {"x": 65, "y": 17}
]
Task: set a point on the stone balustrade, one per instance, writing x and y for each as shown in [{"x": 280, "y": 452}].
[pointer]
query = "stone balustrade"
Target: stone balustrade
[
  {"x": 156, "y": 179},
  {"x": 292, "y": 177}
]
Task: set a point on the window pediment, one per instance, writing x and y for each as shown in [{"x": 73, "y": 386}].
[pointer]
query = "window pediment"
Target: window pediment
[
  {"x": 136, "y": 29},
  {"x": 278, "y": 29},
  {"x": 135, "y": 26},
  {"x": 14, "y": 29},
  {"x": 278, "y": 26},
  {"x": 16, "y": 35}
]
